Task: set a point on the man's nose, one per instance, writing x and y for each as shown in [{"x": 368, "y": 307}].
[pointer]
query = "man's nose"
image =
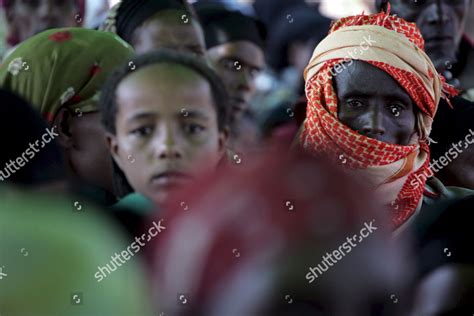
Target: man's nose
[
  {"x": 245, "y": 80},
  {"x": 373, "y": 126},
  {"x": 167, "y": 145},
  {"x": 437, "y": 13}
]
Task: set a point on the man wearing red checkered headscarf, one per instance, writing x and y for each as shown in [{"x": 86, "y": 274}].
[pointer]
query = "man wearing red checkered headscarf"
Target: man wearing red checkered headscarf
[{"x": 372, "y": 95}]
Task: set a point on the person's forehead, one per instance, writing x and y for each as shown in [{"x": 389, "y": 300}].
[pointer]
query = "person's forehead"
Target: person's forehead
[
  {"x": 169, "y": 84},
  {"x": 361, "y": 76},
  {"x": 244, "y": 51},
  {"x": 174, "y": 29}
]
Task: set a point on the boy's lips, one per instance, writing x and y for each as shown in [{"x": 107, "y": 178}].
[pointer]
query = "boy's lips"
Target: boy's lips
[
  {"x": 239, "y": 104},
  {"x": 170, "y": 178}
]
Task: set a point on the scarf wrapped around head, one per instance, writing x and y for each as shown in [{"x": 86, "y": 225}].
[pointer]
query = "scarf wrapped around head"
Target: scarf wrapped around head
[
  {"x": 63, "y": 67},
  {"x": 397, "y": 48}
]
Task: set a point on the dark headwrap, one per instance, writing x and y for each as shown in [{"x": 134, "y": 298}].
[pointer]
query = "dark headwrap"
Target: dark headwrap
[
  {"x": 297, "y": 24},
  {"x": 451, "y": 124},
  {"x": 128, "y": 15},
  {"x": 222, "y": 26},
  {"x": 22, "y": 121}
]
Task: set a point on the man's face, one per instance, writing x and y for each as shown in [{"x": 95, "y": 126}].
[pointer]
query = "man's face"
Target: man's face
[
  {"x": 441, "y": 23},
  {"x": 30, "y": 17},
  {"x": 89, "y": 157},
  {"x": 238, "y": 64},
  {"x": 373, "y": 104},
  {"x": 172, "y": 30},
  {"x": 166, "y": 129}
]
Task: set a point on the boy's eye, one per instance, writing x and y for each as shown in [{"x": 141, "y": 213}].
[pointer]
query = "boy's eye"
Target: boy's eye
[
  {"x": 193, "y": 129},
  {"x": 142, "y": 131}
]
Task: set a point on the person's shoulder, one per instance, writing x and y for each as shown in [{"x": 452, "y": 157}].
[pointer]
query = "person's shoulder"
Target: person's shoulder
[
  {"x": 436, "y": 191},
  {"x": 466, "y": 55},
  {"x": 134, "y": 202}
]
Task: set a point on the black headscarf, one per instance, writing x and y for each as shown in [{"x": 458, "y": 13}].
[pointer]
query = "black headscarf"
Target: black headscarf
[
  {"x": 132, "y": 14},
  {"x": 223, "y": 26},
  {"x": 299, "y": 23},
  {"x": 450, "y": 125}
]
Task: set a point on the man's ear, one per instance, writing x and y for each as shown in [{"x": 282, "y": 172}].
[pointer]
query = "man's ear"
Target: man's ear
[
  {"x": 10, "y": 14},
  {"x": 223, "y": 139},
  {"x": 381, "y": 5},
  {"x": 113, "y": 147},
  {"x": 63, "y": 121}
]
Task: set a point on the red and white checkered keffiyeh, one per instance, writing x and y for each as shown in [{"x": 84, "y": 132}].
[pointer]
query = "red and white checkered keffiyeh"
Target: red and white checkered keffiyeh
[{"x": 398, "y": 49}]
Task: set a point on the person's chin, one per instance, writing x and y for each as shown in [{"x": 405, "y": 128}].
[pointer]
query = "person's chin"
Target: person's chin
[
  {"x": 239, "y": 105},
  {"x": 163, "y": 188},
  {"x": 443, "y": 51}
]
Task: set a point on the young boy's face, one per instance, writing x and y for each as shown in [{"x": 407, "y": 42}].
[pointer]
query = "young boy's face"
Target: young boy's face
[{"x": 166, "y": 129}]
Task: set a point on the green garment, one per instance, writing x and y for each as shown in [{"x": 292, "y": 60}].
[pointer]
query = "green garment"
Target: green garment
[
  {"x": 50, "y": 253},
  {"x": 443, "y": 193},
  {"x": 134, "y": 202},
  {"x": 63, "y": 67}
]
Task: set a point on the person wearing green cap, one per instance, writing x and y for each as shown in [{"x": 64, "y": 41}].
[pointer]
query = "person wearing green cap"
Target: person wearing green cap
[{"x": 60, "y": 72}]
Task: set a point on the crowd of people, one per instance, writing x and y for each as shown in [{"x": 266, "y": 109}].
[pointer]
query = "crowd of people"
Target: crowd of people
[{"x": 227, "y": 158}]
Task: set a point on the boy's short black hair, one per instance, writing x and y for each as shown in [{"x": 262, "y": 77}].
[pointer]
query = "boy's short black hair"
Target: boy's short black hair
[{"x": 108, "y": 102}]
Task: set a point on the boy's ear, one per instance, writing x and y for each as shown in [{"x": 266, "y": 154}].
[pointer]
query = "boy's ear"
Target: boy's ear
[
  {"x": 223, "y": 139},
  {"x": 63, "y": 122},
  {"x": 112, "y": 144}
]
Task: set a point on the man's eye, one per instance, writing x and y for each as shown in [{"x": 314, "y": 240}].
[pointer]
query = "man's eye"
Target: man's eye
[
  {"x": 355, "y": 104},
  {"x": 198, "y": 52},
  {"x": 232, "y": 65},
  {"x": 193, "y": 129},
  {"x": 142, "y": 131}
]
